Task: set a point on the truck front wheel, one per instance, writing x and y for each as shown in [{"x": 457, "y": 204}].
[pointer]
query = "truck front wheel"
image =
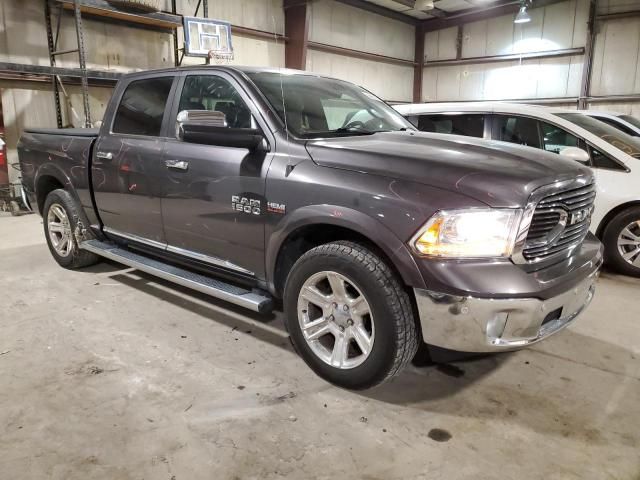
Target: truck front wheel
[
  {"x": 349, "y": 316},
  {"x": 60, "y": 217}
]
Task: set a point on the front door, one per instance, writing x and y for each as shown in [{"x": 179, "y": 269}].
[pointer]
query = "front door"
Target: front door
[
  {"x": 213, "y": 204},
  {"x": 127, "y": 167}
]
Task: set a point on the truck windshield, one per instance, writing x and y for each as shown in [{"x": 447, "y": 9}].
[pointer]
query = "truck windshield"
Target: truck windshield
[
  {"x": 606, "y": 132},
  {"x": 318, "y": 107}
]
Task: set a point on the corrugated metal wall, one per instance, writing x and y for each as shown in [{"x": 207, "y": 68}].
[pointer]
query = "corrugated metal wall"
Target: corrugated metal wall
[
  {"x": 112, "y": 47},
  {"x": 616, "y": 62},
  {"x": 336, "y": 24},
  {"x": 558, "y": 26}
]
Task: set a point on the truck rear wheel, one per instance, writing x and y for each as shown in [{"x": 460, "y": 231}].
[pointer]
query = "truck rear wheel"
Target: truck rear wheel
[
  {"x": 621, "y": 240},
  {"x": 349, "y": 316},
  {"x": 60, "y": 217}
]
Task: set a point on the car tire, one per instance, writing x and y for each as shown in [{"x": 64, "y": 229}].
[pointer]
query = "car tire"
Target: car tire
[
  {"x": 61, "y": 216},
  {"x": 349, "y": 316},
  {"x": 621, "y": 239}
]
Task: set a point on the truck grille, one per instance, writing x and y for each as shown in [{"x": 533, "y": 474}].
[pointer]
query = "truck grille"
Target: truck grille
[{"x": 560, "y": 222}]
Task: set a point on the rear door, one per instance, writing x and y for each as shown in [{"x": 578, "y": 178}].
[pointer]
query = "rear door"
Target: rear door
[{"x": 127, "y": 167}]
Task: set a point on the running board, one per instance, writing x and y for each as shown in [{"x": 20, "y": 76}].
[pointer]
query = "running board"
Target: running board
[{"x": 224, "y": 291}]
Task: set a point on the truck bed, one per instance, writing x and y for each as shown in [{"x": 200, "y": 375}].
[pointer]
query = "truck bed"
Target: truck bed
[{"x": 60, "y": 155}]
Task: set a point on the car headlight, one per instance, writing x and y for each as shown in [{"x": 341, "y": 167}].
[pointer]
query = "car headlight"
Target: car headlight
[{"x": 469, "y": 233}]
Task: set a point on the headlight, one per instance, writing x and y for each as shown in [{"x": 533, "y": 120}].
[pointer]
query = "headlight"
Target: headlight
[{"x": 468, "y": 233}]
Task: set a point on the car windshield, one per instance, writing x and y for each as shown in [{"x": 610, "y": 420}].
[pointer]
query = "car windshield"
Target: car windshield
[
  {"x": 318, "y": 107},
  {"x": 615, "y": 137},
  {"x": 632, "y": 120}
]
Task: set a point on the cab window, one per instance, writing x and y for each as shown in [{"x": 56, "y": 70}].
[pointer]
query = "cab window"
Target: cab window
[
  {"x": 213, "y": 93},
  {"x": 516, "y": 129},
  {"x": 469, "y": 125},
  {"x": 142, "y": 107}
]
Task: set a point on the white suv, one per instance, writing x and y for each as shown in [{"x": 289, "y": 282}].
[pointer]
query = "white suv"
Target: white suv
[
  {"x": 614, "y": 156},
  {"x": 625, "y": 123}
]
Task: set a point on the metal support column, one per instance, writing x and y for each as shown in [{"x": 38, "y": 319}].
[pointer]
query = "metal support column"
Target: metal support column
[
  {"x": 176, "y": 57},
  {"x": 585, "y": 87},
  {"x": 205, "y": 14},
  {"x": 52, "y": 62},
  {"x": 418, "y": 68},
  {"x": 83, "y": 64}
]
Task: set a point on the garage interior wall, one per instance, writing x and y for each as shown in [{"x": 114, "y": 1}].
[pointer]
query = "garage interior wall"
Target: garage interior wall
[
  {"x": 560, "y": 26},
  {"x": 110, "y": 47},
  {"x": 555, "y": 27},
  {"x": 340, "y": 25}
]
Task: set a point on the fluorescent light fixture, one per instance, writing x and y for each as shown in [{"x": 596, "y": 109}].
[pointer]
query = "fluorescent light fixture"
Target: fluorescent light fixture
[
  {"x": 522, "y": 16},
  {"x": 423, "y": 5}
]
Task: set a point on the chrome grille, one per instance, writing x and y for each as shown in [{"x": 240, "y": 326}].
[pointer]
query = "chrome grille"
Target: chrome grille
[{"x": 547, "y": 235}]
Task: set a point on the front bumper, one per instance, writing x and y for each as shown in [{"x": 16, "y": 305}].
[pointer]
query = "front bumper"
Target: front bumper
[{"x": 470, "y": 324}]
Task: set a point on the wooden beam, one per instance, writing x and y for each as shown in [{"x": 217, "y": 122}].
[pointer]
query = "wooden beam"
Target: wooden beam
[
  {"x": 348, "y": 52},
  {"x": 418, "y": 69},
  {"x": 565, "y": 52},
  {"x": 616, "y": 16},
  {"x": 102, "y": 8},
  {"x": 261, "y": 34},
  {"x": 296, "y": 30}
]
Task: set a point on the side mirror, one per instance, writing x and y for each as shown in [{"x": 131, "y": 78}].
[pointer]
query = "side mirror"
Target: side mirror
[
  {"x": 575, "y": 153},
  {"x": 210, "y": 128}
]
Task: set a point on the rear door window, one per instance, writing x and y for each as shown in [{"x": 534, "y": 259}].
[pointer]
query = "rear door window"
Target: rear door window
[
  {"x": 517, "y": 129},
  {"x": 142, "y": 107},
  {"x": 556, "y": 139},
  {"x": 469, "y": 125}
]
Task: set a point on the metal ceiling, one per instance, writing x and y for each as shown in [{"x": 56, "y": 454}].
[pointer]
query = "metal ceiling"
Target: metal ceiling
[{"x": 442, "y": 8}]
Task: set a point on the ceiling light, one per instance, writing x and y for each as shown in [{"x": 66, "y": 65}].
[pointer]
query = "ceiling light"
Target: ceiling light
[
  {"x": 522, "y": 16},
  {"x": 424, "y": 5}
]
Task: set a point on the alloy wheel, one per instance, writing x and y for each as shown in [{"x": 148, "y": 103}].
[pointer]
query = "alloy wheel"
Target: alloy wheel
[
  {"x": 59, "y": 230},
  {"x": 336, "y": 320}
]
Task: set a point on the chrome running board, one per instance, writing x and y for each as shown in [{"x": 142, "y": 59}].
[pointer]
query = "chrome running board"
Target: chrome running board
[{"x": 258, "y": 302}]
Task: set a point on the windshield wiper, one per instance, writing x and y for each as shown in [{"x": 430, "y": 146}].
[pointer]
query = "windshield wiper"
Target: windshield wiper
[{"x": 354, "y": 130}]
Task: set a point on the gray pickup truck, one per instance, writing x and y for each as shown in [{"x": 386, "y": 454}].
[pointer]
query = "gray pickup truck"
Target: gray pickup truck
[{"x": 261, "y": 186}]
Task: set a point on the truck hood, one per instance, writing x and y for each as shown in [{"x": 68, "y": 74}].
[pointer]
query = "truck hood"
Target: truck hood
[{"x": 496, "y": 173}]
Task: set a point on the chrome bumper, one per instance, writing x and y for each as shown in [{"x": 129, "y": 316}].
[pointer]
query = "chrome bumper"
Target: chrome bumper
[{"x": 469, "y": 324}]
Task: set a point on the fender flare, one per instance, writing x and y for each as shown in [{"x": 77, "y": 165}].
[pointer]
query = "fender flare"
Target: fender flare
[
  {"x": 50, "y": 169},
  {"x": 393, "y": 247}
]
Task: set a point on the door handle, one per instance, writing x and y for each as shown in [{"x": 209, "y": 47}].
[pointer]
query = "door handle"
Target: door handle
[
  {"x": 104, "y": 155},
  {"x": 177, "y": 164}
]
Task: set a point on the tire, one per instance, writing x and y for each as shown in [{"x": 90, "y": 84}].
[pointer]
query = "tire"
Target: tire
[
  {"x": 61, "y": 209},
  {"x": 387, "y": 334},
  {"x": 621, "y": 239}
]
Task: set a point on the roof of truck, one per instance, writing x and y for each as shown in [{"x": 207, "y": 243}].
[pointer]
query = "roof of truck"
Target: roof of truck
[{"x": 236, "y": 68}]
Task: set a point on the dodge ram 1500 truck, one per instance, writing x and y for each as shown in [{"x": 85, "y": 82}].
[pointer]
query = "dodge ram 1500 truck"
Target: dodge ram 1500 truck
[{"x": 257, "y": 185}]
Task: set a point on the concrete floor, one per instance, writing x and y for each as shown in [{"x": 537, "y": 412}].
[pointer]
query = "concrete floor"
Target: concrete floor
[{"x": 110, "y": 374}]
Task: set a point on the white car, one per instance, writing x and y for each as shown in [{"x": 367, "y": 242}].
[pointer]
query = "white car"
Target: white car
[
  {"x": 613, "y": 155},
  {"x": 624, "y": 123}
]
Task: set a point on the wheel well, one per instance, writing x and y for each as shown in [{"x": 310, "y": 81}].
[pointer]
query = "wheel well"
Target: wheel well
[
  {"x": 46, "y": 184},
  {"x": 305, "y": 238},
  {"x": 612, "y": 214}
]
